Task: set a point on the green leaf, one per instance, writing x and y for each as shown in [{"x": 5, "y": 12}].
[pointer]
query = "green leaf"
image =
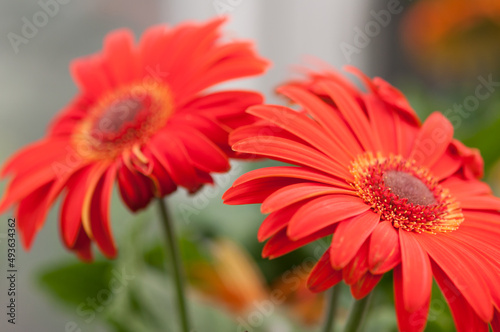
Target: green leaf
[{"x": 72, "y": 283}]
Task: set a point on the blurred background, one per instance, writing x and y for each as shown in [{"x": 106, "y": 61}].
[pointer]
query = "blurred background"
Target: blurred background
[{"x": 437, "y": 52}]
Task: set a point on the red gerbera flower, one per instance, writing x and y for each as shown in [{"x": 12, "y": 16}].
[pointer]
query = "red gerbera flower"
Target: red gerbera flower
[
  {"x": 395, "y": 194},
  {"x": 142, "y": 119}
]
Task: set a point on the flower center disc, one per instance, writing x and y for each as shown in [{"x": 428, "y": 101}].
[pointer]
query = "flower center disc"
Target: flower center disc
[
  {"x": 405, "y": 194},
  {"x": 123, "y": 118},
  {"x": 405, "y": 185}
]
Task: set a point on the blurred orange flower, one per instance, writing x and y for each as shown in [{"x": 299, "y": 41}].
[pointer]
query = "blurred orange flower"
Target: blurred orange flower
[
  {"x": 232, "y": 280},
  {"x": 453, "y": 37}
]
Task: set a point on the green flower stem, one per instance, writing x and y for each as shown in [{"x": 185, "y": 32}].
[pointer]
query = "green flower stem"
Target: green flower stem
[
  {"x": 332, "y": 308},
  {"x": 358, "y": 313},
  {"x": 173, "y": 250}
]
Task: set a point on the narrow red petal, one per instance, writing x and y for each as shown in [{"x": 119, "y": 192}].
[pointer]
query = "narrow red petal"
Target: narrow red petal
[
  {"x": 293, "y": 152},
  {"x": 134, "y": 188},
  {"x": 280, "y": 244},
  {"x": 119, "y": 57},
  {"x": 298, "y": 192},
  {"x": 495, "y": 323},
  {"x": 71, "y": 209},
  {"x": 303, "y": 127},
  {"x": 464, "y": 315},
  {"x": 326, "y": 117},
  {"x": 416, "y": 269},
  {"x": 358, "y": 266},
  {"x": 255, "y": 191},
  {"x": 480, "y": 202},
  {"x": 323, "y": 276},
  {"x": 408, "y": 321},
  {"x": 384, "y": 253},
  {"x": 204, "y": 154},
  {"x": 276, "y": 221},
  {"x": 302, "y": 173},
  {"x": 459, "y": 265},
  {"x": 352, "y": 112},
  {"x": 349, "y": 237},
  {"x": 82, "y": 246},
  {"x": 31, "y": 213},
  {"x": 99, "y": 214},
  {"x": 433, "y": 140},
  {"x": 364, "y": 285},
  {"x": 322, "y": 212}
]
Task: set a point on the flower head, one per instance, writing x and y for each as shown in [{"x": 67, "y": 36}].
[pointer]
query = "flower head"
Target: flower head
[
  {"x": 396, "y": 195},
  {"x": 142, "y": 118}
]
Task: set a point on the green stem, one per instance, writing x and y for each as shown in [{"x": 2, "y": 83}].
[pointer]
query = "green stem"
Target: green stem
[
  {"x": 173, "y": 250},
  {"x": 358, "y": 313},
  {"x": 332, "y": 308}
]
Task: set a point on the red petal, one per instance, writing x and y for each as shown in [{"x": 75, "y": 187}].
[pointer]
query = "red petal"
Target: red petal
[
  {"x": 276, "y": 221},
  {"x": 31, "y": 213},
  {"x": 82, "y": 246},
  {"x": 298, "y": 192},
  {"x": 280, "y": 244},
  {"x": 384, "y": 253},
  {"x": 463, "y": 314},
  {"x": 358, "y": 266},
  {"x": 255, "y": 191},
  {"x": 447, "y": 165},
  {"x": 204, "y": 154},
  {"x": 433, "y": 140},
  {"x": 495, "y": 323},
  {"x": 134, "y": 188},
  {"x": 71, "y": 209},
  {"x": 119, "y": 57},
  {"x": 302, "y": 173},
  {"x": 303, "y": 127},
  {"x": 416, "y": 269},
  {"x": 352, "y": 112},
  {"x": 23, "y": 185},
  {"x": 465, "y": 188},
  {"x": 99, "y": 213},
  {"x": 326, "y": 117},
  {"x": 170, "y": 151},
  {"x": 323, "y": 212},
  {"x": 365, "y": 285},
  {"x": 480, "y": 202},
  {"x": 291, "y": 151},
  {"x": 323, "y": 276},
  {"x": 460, "y": 267},
  {"x": 408, "y": 321},
  {"x": 349, "y": 237},
  {"x": 383, "y": 123},
  {"x": 89, "y": 76}
]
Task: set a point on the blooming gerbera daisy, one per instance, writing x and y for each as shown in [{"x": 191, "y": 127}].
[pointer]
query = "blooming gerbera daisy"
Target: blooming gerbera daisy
[
  {"x": 395, "y": 194},
  {"x": 141, "y": 119}
]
